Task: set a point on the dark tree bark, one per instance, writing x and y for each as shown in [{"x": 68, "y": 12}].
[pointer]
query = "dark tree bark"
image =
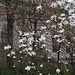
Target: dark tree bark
[
  {"x": 9, "y": 31},
  {"x": 34, "y": 36}
]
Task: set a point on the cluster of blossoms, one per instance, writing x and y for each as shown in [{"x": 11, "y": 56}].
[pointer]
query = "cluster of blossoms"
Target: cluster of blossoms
[{"x": 25, "y": 42}]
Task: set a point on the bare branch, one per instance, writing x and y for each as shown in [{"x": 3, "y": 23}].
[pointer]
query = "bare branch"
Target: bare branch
[{"x": 2, "y": 3}]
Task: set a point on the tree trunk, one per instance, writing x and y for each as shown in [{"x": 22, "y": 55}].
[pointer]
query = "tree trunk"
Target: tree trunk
[
  {"x": 9, "y": 31},
  {"x": 34, "y": 36}
]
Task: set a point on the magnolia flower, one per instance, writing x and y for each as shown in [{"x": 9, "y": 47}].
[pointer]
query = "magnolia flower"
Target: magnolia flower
[
  {"x": 53, "y": 4},
  {"x": 20, "y": 52},
  {"x": 41, "y": 65},
  {"x": 30, "y": 53},
  {"x": 48, "y": 21},
  {"x": 43, "y": 27},
  {"x": 32, "y": 63},
  {"x": 28, "y": 68},
  {"x": 36, "y": 40},
  {"x": 29, "y": 62},
  {"x": 63, "y": 14},
  {"x": 58, "y": 71},
  {"x": 61, "y": 31},
  {"x": 14, "y": 57},
  {"x": 40, "y": 39},
  {"x": 26, "y": 49},
  {"x": 33, "y": 67},
  {"x": 46, "y": 32},
  {"x": 26, "y": 34},
  {"x": 59, "y": 40},
  {"x": 43, "y": 45},
  {"x": 39, "y": 7},
  {"x": 33, "y": 53},
  {"x": 67, "y": 70},
  {"x": 30, "y": 48},
  {"x": 8, "y": 55},
  {"x": 56, "y": 36},
  {"x": 13, "y": 66},
  {"x": 30, "y": 42},
  {"x": 21, "y": 57},
  {"x": 13, "y": 53},
  {"x": 48, "y": 61},
  {"x": 19, "y": 61},
  {"x": 53, "y": 26},
  {"x": 21, "y": 41},
  {"x": 22, "y": 45},
  {"x": 40, "y": 73},
  {"x": 49, "y": 57},
  {"x": 31, "y": 39},
  {"x": 49, "y": 74},
  {"x": 20, "y": 32},
  {"x": 48, "y": 35},
  {"x": 43, "y": 37},
  {"x": 7, "y": 47},
  {"x": 59, "y": 62},
  {"x": 32, "y": 33}
]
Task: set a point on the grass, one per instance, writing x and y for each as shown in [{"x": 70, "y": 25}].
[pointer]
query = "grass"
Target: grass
[
  {"x": 45, "y": 70},
  {"x": 1, "y": 54}
]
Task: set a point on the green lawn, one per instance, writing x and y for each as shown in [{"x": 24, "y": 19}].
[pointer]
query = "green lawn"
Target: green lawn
[{"x": 45, "y": 70}]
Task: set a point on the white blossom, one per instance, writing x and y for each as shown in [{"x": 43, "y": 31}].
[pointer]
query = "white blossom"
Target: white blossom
[
  {"x": 66, "y": 6},
  {"x": 73, "y": 54},
  {"x": 41, "y": 65},
  {"x": 30, "y": 42},
  {"x": 56, "y": 36},
  {"x": 28, "y": 68},
  {"x": 14, "y": 57},
  {"x": 30, "y": 53},
  {"x": 70, "y": 11},
  {"x": 20, "y": 32},
  {"x": 53, "y": 26},
  {"x": 60, "y": 3},
  {"x": 14, "y": 66},
  {"x": 8, "y": 55},
  {"x": 43, "y": 37},
  {"x": 54, "y": 5},
  {"x": 13, "y": 53},
  {"x": 19, "y": 61},
  {"x": 43, "y": 45},
  {"x": 30, "y": 48},
  {"x": 20, "y": 52},
  {"x": 26, "y": 34},
  {"x": 61, "y": 31},
  {"x": 40, "y": 73},
  {"x": 39, "y": 7},
  {"x": 32, "y": 63},
  {"x": 31, "y": 39},
  {"x": 49, "y": 57},
  {"x": 63, "y": 14},
  {"x": 33, "y": 53},
  {"x": 65, "y": 22},
  {"x": 40, "y": 39},
  {"x": 7, "y": 47},
  {"x": 43, "y": 27},
  {"x": 59, "y": 41},
  {"x": 48, "y": 21},
  {"x": 58, "y": 71},
  {"x": 22, "y": 45}
]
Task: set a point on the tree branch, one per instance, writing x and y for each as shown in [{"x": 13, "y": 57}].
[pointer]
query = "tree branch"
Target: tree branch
[{"x": 3, "y": 3}]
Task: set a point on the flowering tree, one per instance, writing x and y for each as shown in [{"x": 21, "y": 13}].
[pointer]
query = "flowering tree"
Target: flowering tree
[
  {"x": 63, "y": 29},
  {"x": 35, "y": 20},
  {"x": 31, "y": 38}
]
